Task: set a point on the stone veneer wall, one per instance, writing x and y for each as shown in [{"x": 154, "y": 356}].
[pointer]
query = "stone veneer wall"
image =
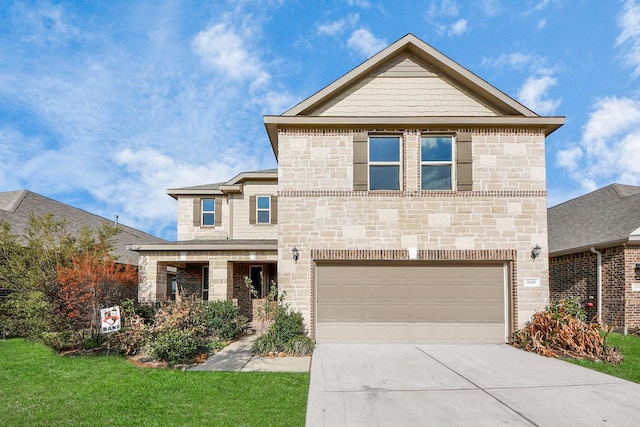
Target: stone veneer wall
[
  {"x": 235, "y": 216},
  {"x": 506, "y": 211}
]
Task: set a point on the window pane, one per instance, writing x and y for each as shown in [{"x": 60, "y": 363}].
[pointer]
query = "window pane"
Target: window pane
[
  {"x": 263, "y": 202},
  {"x": 263, "y": 217},
  {"x": 436, "y": 177},
  {"x": 208, "y": 219},
  {"x": 208, "y": 205},
  {"x": 436, "y": 148},
  {"x": 384, "y": 177},
  {"x": 384, "y": 149}
]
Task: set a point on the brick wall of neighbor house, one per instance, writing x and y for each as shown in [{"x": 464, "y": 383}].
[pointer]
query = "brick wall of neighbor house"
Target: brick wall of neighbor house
[
  {"x": 613, "y": 284},
  {"x": 632, "y": 299},
  {"x": 505, "y": 211},
  {"x": 574, "y": 275}
]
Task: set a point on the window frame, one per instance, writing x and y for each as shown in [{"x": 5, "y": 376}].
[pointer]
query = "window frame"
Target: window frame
[
  {"x": 396, "y": 163},
  {"x": 259, "y": 209},
  {"x": 205, "y": 288},
  {"x": 451, "y": 163},
  {"x": 204, "y": 212}
]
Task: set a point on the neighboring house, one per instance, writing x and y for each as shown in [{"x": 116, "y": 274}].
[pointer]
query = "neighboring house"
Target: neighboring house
[
  {"x": 594, "y": 254},
  {"x": 410, "y": 194},
  {"x": 17, "y": 206}
]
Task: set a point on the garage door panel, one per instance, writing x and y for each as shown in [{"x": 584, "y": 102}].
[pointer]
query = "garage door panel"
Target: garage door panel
[{"x": 410, "y": 303}]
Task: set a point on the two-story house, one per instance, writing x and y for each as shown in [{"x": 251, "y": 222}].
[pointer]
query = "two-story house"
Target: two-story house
[{"x": 411, "y": 207}]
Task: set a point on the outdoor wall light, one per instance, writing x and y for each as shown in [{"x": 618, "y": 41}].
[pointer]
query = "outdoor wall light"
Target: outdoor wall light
[
  {"x": 296, "y": 254},
  {"x": 535, "y": 252}
]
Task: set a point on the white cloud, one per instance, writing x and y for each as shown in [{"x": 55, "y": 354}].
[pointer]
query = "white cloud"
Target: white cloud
[
  {"x": 225, "y": 50},
  {"x": 458, "y": 28},
  {"x": 541, "y": 24},
  {"x": 609, "y": 149},
  {"x": 442, "y": 8},
  {"x": 364, "y": 4},
  {"x": 629, "y": 38},
  {"x": 365, "y": 43},
  {"x": 338, "y": 27},
  {"x": 46, "y": 24},
  {"x": 533, "y": 94},
  {"x": 490, "y": 7}
]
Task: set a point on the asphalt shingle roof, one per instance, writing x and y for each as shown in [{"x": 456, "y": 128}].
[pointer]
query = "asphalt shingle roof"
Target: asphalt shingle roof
[
  {"x": 603, "y": 216},
  {"x": 16, "y": 206}
]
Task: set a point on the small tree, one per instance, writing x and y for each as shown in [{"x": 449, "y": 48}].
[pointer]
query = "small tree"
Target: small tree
[{"x": 92, "y": 281}]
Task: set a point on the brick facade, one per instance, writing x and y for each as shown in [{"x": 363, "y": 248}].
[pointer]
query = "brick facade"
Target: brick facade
[{"x": 576, "y": 275}]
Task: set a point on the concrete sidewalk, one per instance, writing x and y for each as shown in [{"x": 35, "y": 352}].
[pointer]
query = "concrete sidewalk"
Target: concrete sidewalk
[
  {"x": 461, "y": 385},
  {"x": 238, "y": 356}
]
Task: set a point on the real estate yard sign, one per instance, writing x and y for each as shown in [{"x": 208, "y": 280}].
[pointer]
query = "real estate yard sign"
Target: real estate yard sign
[{"x": 110, "y": 318}]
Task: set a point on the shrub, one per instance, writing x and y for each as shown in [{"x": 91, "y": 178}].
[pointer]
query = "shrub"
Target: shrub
[
  {"x": 299, "y": 346},
  {"x": 59, "y": 341},
  {"x": 223, "y": 321},
  {"x": 175, "y": 346},
  {"x": 287, "y": 324},
  {"x": 266, "y": 344},
  {"x": 287, "y": 334}
]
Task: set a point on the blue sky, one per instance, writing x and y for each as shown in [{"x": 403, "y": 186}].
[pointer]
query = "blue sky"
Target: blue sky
[{"x": 106, "y": 104}]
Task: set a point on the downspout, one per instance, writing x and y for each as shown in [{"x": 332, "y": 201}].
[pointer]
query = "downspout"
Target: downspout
[{"x": 599, "y": 283}]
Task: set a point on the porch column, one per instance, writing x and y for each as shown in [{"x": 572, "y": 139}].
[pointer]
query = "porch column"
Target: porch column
[
  {"x": 218, "y": 274},
  {"x": 152, "y": 282}
]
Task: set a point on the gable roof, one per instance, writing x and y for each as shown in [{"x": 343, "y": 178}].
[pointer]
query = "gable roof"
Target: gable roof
[
  {"x": 605, "y": 217},
  {"x": 233, "y": 185},
  {"x": 412, "y": 52},
  {"x": 17, "y": 206}
]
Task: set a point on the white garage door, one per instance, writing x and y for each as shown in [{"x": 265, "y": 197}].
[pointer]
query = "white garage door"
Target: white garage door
[{"x": 411, "y": 303}]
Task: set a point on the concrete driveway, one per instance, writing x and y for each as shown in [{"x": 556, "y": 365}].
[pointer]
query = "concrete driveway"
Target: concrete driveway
[{"x": 461, "y": 385}]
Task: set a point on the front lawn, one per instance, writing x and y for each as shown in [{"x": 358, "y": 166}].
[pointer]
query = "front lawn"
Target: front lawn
[
  {"x": 629, "y": 369},
  {"x": 38, "y": 387}
]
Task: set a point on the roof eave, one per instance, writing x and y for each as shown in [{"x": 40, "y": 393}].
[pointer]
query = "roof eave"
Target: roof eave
[
  {"x": 266, "y": 246},
  {"x": 193, "y": 192},
  {"x": 548, "y": 123},
  {"x": 634, "y": 240}
]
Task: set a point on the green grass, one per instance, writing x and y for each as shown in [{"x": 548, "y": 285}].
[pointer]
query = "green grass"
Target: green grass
[
  {"x": 40, "y": 388},
  {"x": 629, "y": 369}
]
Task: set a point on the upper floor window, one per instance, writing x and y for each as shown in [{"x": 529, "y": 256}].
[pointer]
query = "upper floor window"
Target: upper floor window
[
  {"x": 263, "y": 205},
  {"x": 263, "y": 210},
  {"x": 384, "y": 163},
  {"x": 437, "y": 162},
  {"x": 208, "y": 211}
]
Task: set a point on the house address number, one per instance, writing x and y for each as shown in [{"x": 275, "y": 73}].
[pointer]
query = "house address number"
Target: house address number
[{"x": 531, "y": 281}]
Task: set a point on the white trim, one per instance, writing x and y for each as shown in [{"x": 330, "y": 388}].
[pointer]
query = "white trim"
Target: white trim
[{"x": 506, "y": 302}]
